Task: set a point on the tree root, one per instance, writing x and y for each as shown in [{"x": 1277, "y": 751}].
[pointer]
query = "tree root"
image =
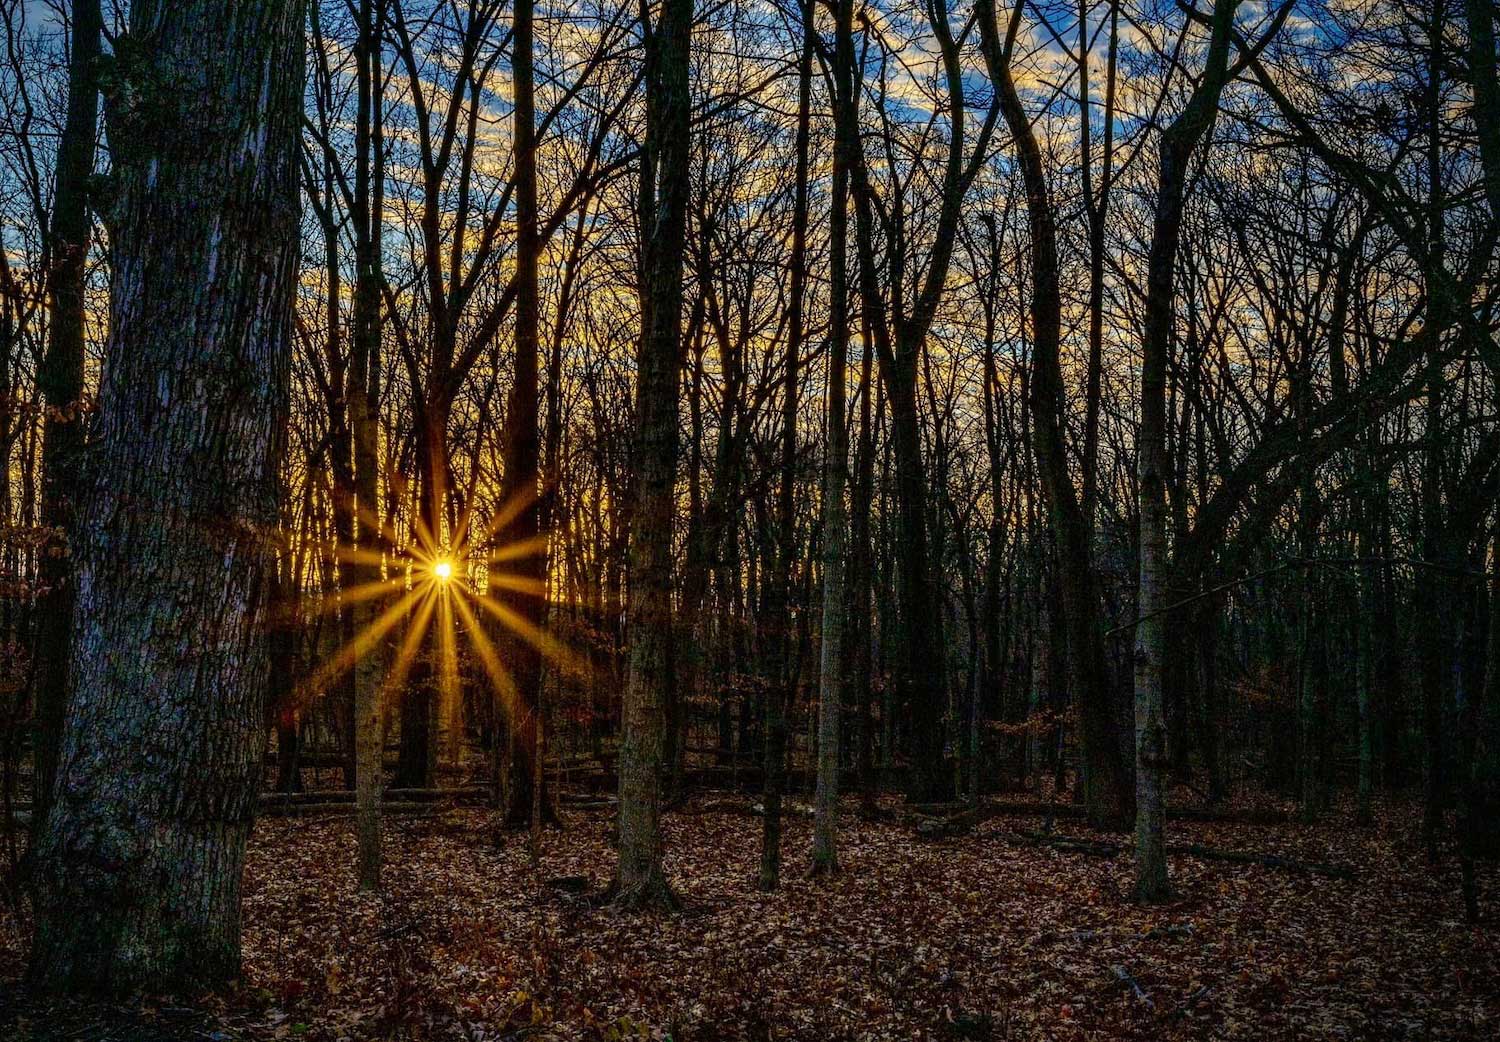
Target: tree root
[{"x": 652, "y": 894}]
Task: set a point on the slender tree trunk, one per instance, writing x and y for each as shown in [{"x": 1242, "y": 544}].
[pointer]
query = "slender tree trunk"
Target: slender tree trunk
[
  {"x": 640, "y": 880},
  {"x": 140, "y": 857},
  {"x": 60, "y": 379},
  {"x": 1097, "y": 210},
  {"x": 363, "y": 396},
  {"x": 860, "y": 568},
  {"x": 1177, "y": 145},
  {"x": 781, "y": 599},
  {"x": 522, "y": 445},
  {"x": 832, "y": 666},
  {"x": 1433, "y": 588},
  {"x": 1106, "y": 782}
]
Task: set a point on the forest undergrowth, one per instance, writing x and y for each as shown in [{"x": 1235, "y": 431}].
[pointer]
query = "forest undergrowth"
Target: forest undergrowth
[{"x": 979, "y": 936}]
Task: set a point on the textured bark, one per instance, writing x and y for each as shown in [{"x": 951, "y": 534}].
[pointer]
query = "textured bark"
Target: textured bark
[
  {"x": 1178, "y": 143},
  {"x": 522, "y": 443},
  {"x": 60, "y": 379},
  {"x": 140, "y": 857},
  {"x": 363, "y": 397},
  {"x": 640, "y": 880},
  {"x": 832, "y": 667}
]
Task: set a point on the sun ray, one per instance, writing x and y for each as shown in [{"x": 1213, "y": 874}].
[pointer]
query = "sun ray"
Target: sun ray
[
  {"x": 426, "y": 544},
  {"x": 333, "y": 603},
  {"x": 528, "y": 631},
  {"x": 519, "y": 550},
  {"x": 352, "y": 554},
  {"x": 488, "y": 657},
  {"x": 362, "y": 643},
  {"x": 518, "y": 583},
  {"x": 406, "y": 654},
  {"x": 507, "y": 513}
]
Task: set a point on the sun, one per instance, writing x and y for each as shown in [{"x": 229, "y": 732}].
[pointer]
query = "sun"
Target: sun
[{"x": 428, "y": 592}]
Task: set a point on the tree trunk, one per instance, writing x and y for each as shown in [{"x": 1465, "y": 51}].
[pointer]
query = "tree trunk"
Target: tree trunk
[
  {"x": 60, "y": 379},
  {"x": 363, "y": 396},
  {"x": 1106, "y": 782},
  {"x": 860, "y": 562},
  {"x": 832, "y": 664},
  {"x": 1178, "y": 143},
  {"x": 640, "y": 880},
  {"x": 780, "y": 603},
  {"x": 140, "y": 857},
  {"x": 522, "y": 445}
]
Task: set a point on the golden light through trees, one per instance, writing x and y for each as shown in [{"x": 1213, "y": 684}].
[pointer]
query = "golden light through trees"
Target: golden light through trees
[{"x": 430, "y": 592}]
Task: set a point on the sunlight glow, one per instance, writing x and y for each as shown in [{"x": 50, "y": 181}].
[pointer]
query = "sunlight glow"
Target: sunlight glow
[{"x": 428, "y": 605}]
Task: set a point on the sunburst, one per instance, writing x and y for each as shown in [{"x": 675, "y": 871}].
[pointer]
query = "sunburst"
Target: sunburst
[{"x": 430, "y": 592}]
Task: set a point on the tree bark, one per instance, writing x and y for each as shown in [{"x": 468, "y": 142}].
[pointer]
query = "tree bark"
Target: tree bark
[
  {"x": 640, "y": 880},
  {"x": 60, "y": 379},
  {"x": 781, "y": 599},
  {"x": 1106, "y": 782},
  {"x": 832, "y": 663},
  {"x": 140, "y": 856},
  {"x": 363, "y": 395},
  {"x": 522, "y": 445},
  {"x": 1178, "y": 143}
]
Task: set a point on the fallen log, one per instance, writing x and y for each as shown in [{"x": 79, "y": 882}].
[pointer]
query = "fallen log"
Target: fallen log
[
  {"x": 946, "y": 828},
  {"x": 1107, "y": 848},
  {"x": 331, "y": 809},
  {"x": 598, "y": 804},
  {"x": 1314, "y": 868},
  {"x": 467, "y": 792},
  {"x": 789, "y": 808},
  {"x": 1251, "y": 816},
  {"x": 1068, "y": 844}
]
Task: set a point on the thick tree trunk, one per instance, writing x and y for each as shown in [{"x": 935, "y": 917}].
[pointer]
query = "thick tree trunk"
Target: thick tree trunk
[
  {"x": 640, "y": 880},
  {"x": 60, "y": 379},
  {"x": 140, "y": 857}
]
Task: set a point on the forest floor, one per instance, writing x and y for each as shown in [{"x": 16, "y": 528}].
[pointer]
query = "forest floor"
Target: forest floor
[{"x": 974, "y": 937}]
